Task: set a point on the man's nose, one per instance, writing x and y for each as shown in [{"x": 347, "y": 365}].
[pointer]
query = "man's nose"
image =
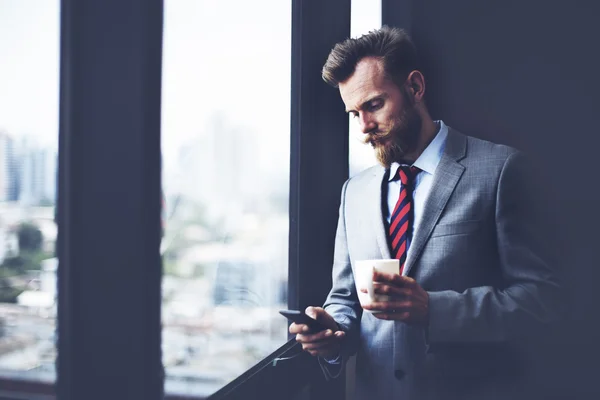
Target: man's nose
[{"x": 366, "y": 123}]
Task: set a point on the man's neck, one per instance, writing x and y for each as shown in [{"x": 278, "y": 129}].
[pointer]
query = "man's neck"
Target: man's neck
[{"x": 428, "y": 132}]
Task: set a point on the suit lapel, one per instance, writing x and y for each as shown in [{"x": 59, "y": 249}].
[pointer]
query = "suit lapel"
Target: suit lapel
[
  {"x": 445, "y": 178},
  {"x": 376, "y": 210}
]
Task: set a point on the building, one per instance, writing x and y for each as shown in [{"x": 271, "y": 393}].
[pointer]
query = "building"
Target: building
[
  {"x": 45, "y": 298},
  {"x": 38, "y": 172},
  {"x": 8, "y": 169}
]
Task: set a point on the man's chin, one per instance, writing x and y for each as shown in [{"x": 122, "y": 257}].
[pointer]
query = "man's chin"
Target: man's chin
[{"x": 384, "y": 159}]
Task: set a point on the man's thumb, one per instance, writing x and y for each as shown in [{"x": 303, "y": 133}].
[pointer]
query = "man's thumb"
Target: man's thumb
[{"x": 311, "y": 312}]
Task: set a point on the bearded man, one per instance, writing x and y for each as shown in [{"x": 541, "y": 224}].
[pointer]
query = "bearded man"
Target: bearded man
[{"x": 458, "y": 214}]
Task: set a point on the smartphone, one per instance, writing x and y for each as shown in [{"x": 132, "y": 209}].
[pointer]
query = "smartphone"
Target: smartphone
[{"x": 300, "y": 317}]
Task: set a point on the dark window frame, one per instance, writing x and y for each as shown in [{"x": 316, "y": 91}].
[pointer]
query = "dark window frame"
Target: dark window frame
[{"x": 109, "y": 201}]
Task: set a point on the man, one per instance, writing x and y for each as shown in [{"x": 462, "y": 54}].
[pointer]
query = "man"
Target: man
[{"x": 456, "y": 212}]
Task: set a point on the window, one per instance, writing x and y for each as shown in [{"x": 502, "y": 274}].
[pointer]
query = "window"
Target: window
[
  {"x": 225, "y": 147},
  {"x": 365, "y": 17},
  {"x": 29, "y": 78},
  {"x": 108, "y": 213}
]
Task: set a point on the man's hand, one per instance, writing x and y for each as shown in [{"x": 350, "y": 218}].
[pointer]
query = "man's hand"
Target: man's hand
[
  {"x": 325, "y": 343},
  {"x": 408, "y": 301}
]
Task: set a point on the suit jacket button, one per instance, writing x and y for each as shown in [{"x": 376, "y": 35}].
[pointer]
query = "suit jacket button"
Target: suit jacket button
[{"x": 399, "y": 374}]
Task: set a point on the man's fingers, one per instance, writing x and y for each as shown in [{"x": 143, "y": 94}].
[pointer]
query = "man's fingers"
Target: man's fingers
[
  {"x": 297, "y": 328},
  {"x": 323, "y": 344},
  {"x": 313, "y": 312},
  {"x": 322, "y": 316},
  {"x": 394, "y": 279},
  {"x": 390, "y": 290},
  {"x": 394, "y": 291},
  {"x": 314, "y": 337}
]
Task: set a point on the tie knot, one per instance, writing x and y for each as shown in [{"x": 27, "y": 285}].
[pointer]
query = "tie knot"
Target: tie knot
[{"x": 407, "y": 174}]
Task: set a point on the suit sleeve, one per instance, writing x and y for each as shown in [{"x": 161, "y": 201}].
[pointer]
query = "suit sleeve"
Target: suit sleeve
[
  {"x": 342, "y": 302},
  {"x": 530, "y": 297}
]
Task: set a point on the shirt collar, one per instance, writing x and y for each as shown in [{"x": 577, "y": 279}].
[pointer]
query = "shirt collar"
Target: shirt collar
[{"x": 431, "y": 156}]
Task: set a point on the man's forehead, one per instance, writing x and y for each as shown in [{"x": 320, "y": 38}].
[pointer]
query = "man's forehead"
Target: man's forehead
[
  {"x": 369, "y": 67},
  {"x": 367, "y": 80}
]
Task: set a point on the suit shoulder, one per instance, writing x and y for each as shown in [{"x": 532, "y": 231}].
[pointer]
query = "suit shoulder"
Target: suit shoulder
[
  {"x": 366, "y": 175},
  {"x": 485, "y": 148},
  {"x": 359, "y": 182},
  {"x": 481, "y": 151}
]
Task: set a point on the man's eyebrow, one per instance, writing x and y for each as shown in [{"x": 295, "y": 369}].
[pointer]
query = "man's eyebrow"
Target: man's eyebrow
[{"x": 375, "y": 97}]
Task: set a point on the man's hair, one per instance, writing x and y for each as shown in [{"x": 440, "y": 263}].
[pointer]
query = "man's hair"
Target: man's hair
[{"x": 391, "y": 45}]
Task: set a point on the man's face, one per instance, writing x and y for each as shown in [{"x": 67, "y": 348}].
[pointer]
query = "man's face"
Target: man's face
[{"x": 386, "y": 113}]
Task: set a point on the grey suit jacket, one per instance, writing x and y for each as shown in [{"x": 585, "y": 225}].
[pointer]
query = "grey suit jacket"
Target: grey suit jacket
[{"x": 478, "y": 255}]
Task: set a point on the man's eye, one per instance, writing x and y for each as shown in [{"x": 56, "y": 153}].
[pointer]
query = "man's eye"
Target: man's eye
[{"x": 375, "y": 104}]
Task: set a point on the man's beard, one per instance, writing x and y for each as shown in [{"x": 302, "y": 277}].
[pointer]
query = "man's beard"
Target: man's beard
[{"x": 399, "y": 140}]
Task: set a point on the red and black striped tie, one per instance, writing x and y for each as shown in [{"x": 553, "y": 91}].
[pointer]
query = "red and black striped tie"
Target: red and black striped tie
[{"x": 401, "y": 222}]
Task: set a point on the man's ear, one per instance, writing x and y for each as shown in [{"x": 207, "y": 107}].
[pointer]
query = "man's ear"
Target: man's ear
[{"x": 416, "y": 83}]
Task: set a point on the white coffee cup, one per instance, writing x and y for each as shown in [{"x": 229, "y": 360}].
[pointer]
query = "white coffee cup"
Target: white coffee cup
[{"x": 363, "y": 277}]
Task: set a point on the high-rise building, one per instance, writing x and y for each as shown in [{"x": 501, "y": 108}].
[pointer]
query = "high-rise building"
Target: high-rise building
[
  {"x": 218, "y": 167},
  {"x": 37, "y": 167},
  {"x": 8, "y": 169},
  {"x": 4, "y": 161}
]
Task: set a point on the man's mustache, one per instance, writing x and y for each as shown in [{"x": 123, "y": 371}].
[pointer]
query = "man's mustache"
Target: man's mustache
[{"x": 376, "y": 137}]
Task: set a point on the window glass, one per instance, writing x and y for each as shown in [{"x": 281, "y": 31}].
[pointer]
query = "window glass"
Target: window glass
[
  {"x": 365, "y": 17},
  {"x": 29, "y": 79},
  {"x": 225, "y": 145}
]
